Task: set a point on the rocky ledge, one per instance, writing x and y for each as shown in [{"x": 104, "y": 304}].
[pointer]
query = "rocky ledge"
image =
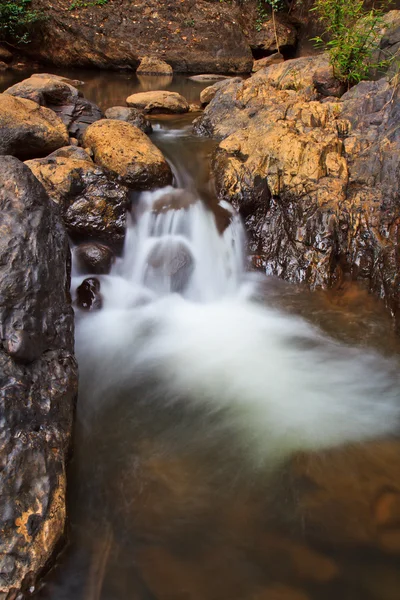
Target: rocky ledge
[{"x": 315, "y": 178}]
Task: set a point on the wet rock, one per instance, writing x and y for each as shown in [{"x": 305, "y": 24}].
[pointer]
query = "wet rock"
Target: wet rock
[
  {"x": 267, "y": 61},
  {"x": 174, "y": 200},
  {"x": 209, "y": 92},
  {"x": 211, "y": 77},
  {"x": 130, "y": 115},
  {"x": 153, "y": 66},
  {"x": 38, "y": 372},
  {"x": 5, "y": 55},
  {"x": 3, "y": 66},
  {"x": 125, "y": 151},
  {"x": 28, "y": 130},
  {"x": 60, "y": 95},
  {"x": 94, "y": 258},
  {"x": 88, "y": 295},
  {"x": 157, "y": 102},
  {"x": 91, "y": 204},
  {"x": 170, "y": 261}
]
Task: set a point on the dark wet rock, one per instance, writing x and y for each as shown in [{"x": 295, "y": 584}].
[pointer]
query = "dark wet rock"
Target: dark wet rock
[
  {"x": 174, "y": 200},
  {"x": 171, "y": 261},
  {"x": 38, "y": 375},
  {"x": 158, "y": 102},
  {"x": 60, "y": 95},
  {"x": 94, "y": 258},
  {"x": 28, "y": 130},
  {"x": 209, "y": 92},
  {"x": 3, "y": 66},
  {"x": 88, "y": 295},
  {"x": 5, "y": 55},
  {"x": 153, "y": 66},
  {"x": 128, "y": 154},
  {"x": 91, "y": 204},
  {"x": 316, "y": 183},
  {"x": 130, "y": 115},
  {"x": 267, "y": 61}
]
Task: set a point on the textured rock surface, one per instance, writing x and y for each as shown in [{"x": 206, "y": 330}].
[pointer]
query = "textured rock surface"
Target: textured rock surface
[
  {"x": 125, "y": 151},
  {"x": 91, "y": 204},
  {"x": 158, "y": 102},
  {"x": 209, "y": 92},
  {"x": 94, "y": 258},
  {"x": 60, "y": 95},
  {"x": 130, "y": 115},
  {"x": 38, "y": 376},
  {"x": 200, "y": 37},
  {"x": 28, "y": 130},
  {"x": 154, "y": 66},
  {"x": 268, "y": 61},
  {"x": 317, "y": 183}
]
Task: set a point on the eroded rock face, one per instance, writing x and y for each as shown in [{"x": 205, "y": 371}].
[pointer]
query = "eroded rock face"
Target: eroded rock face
[
  {"x": 125, "y": 151},
  {"x": 130, "y": 115},
  {"x": 157, "y": 102},
  {"x": 91, "y": 204},
  {"x": 60, "y": 95},
  {"x": 28, "y": 130},
  {"x": 38, "y": 375},
  {"x": 154, "y": 66},
  {"x": 316, "y": 183}
]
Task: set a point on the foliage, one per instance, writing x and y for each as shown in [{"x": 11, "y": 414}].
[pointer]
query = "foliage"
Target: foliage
[
  {"x": 16, "y": 20},
  {"x": 351, "y": 37},
  {"x": 86, "y": 4}
]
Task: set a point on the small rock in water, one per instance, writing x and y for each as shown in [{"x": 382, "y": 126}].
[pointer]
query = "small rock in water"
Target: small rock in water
[
  {"x": 154, "y": 66},
  {"x": 209, "y": 77},
  {"x": 130, "y": 115},
  {"x": 171, "y": 260},
  {"x": 88, "y": 294},
  {"x": 94, "y": 257}
]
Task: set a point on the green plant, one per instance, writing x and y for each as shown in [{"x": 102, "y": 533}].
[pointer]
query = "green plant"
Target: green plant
[
  {"x": 351, "y": 37},
  {"x": 84, "y": 4},
  {"x": 189, "y": 23},
  {"x": 16, "y": 20}
]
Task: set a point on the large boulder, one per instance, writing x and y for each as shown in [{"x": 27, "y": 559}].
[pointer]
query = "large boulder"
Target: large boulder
[
  {"x": 192, "y": 37},
  {"x": 91, "y": 204},
  {"x": 60, "y": 95},
  {"x": 125, "y": 151},
  {"x": 153, "y": 66},
  {"x": 130, "y": 115},
  {"x": 38, "y": 374},
  {"x": 28, "y": 130},
  {"x": 156, "y": 102},
  {"x": 316, "y": 183}
]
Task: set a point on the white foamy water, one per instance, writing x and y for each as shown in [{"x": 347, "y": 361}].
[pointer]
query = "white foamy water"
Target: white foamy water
[{"x": 178, "y": 319}]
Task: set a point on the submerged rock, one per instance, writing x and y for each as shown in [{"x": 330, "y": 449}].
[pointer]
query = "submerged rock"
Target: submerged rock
[
  {"x": 130, "y": 115},
  {"x": 169, "y": 261},
  {"x": 94, "y": 258},
  {"x": 153, "y": 66},
  {"x": 157, "y": 102},
  {"x": 38, "y": 373},
  {"x": 28, "y": 130},
  {"x": 125, "y": 151},
  {"x": 88, "y": 295},
  {"x": 91, "y": 204},
  {"x": 174, "y": 200}
]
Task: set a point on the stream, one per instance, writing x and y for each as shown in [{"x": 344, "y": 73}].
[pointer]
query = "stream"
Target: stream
[{"x": 226, "y": 423}]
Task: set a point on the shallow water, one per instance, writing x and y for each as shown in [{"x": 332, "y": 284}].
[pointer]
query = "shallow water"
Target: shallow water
[{"x": 185, "y": 483}]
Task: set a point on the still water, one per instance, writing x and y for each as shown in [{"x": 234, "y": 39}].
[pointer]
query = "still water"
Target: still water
[{"x": 236, "y": 435}]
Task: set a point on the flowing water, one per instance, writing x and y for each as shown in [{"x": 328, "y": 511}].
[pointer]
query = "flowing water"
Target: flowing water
[{"x": 236, "y": 436}]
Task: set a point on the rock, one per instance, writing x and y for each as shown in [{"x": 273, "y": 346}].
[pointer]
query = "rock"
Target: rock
[
  {"x": 88, "y": 295},
  {"x": 94, "y": 258},
  {"x": 209, "y": 92},
  {"x": 157, "y": 102},
  {"x": 212, "y": 77},
  {"x": 125, "y": 151},
  {"x": 170, "y": 261},
  {"x": 296, "y": 74},
  {"x": 28, "y": 130},
  {"x": 153, "y": 66},
  {"x": 114, "y": 35},
  {"x": 39, "y": 377},
  {"x": 130, "y": 115},
  {"x": 389, "y": 46},
  {"x": 3, "y": 66},
  {"x": 327, "y": 84},
  {"x": 267, "y": 61},
  {"x": 316, "y": 183},
  {"x": 174, "y": 200},
  {"x": 91, "y": 204},
  {"x": 60, "y": 95},
  {"x": 262, "y": 39},
  {"x": 5, "y": 55}
]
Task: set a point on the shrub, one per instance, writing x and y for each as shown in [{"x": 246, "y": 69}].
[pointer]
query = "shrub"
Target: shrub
[
  {"x": 16, "y": 20},
  {"x": 351, "y": 37}
]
